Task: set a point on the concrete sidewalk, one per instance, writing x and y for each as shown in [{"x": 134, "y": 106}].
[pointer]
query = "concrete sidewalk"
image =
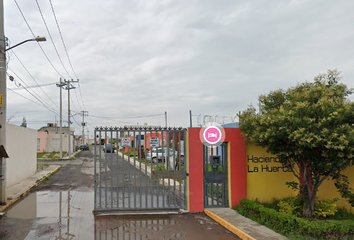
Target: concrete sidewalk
[
  {"x": 15, "y": 192},
  {"x": 244, "y": 228}
]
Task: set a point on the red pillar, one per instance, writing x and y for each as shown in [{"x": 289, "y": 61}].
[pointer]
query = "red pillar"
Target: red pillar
[
  {"x": 237, "y": 167},
  {"x": 195, "y": 160}
]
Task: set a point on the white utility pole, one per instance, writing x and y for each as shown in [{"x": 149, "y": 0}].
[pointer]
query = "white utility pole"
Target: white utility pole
[
  {"x": 2, "y": 106},
  {"x": 68, "y": 87},
  {"x": 61, "y": 85},
  {"x": 88, "y": 136},
  {"x": 3, "y": 101},
  {"x": 83, "y": 124}
]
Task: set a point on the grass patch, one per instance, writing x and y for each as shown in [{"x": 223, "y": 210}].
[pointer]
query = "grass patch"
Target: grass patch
[
  {"x": 40, "y": 155},
  {"x": 49, "y": 156}
]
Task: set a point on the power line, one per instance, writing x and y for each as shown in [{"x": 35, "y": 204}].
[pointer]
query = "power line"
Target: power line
[
  {"x": 23, "y": 96},
  {"x": 125, "y": 122},
  {"x": 24, "y": 85},
  {"x": 51, "y": 110},
  {"x": 67, "y": 54},
  {"x": 74, "y": 105},
  {"x": 113, "y": 118},
  {"x": 33, "y": 78},
  {"x": 34, "y": 93},
  {"x": 83, "y": 103},
  {"x": 62, "y": 39},
  {"x": 18, "y": 6},
  {"x": 77, "y": 98},
  {"x": 33, "y": 86},
  {"x": 75, "y": 119},
  {"x": 50, "y": 35}
]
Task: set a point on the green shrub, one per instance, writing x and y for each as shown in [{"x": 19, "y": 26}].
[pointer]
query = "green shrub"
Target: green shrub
[
  {"x": 291, "y": 225},
  {"x": 291, "y": 205},
  {"x": 343, "y": 213},
  {"x": 324, "y": 208}
]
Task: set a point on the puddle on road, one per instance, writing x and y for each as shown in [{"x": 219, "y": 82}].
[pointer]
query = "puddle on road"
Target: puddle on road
[
  {"x": 139, "y": 227},
  {"x": 68, "y": 215},
  {"x": 56, "y": 215},
  {"x": 185, "y": 226}
]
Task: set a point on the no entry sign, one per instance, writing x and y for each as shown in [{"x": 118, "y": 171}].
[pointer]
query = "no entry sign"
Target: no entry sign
[{"x": 126, "y": 142}]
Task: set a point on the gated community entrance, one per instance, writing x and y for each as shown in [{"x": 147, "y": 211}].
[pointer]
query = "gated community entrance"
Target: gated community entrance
[
  {"x": 140, "y": 169},
  {"x": 144, "y": 168}
]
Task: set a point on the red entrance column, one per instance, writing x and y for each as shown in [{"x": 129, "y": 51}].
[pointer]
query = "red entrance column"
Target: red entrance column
[{"x": 237, "y": 172}]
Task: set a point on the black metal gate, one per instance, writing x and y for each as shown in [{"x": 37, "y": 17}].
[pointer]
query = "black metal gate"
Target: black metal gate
[
  {"x": 139, "y": 168},
  {"x": 215, "y": 176}
]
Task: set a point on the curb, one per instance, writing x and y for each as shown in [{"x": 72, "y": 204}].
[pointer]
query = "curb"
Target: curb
[
  {"x": 25, "y": 191},
  {"x": 241, "y": 234}
]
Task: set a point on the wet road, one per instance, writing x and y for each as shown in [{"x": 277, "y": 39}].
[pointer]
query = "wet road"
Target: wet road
[{"x": 61, "y": 208}]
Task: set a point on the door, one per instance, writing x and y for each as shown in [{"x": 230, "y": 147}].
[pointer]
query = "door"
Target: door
[{"x": 215, "y": 176}]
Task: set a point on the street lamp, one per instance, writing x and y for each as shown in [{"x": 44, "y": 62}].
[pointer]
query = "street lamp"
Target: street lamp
[
  {"x": 37, "y": 39},
  {"x": 3, "y": 155}
]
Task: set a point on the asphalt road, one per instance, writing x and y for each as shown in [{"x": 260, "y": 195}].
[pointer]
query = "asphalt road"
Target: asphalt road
[{"x": 61, "y": 208}]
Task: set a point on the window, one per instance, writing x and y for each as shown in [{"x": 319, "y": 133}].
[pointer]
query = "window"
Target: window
[
  {"x": 38, "y": 144},
  {"x": 55, "y": 143}
]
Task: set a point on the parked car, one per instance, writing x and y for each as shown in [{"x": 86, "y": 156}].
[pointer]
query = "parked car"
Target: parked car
[
  {"x": 108, "y": 148},
  {"x": 156, "y": 153},
  {"x": 84, "y": 147}
]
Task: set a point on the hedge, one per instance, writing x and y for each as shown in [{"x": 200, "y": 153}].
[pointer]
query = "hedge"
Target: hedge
[{"x": 289, "y": 224}]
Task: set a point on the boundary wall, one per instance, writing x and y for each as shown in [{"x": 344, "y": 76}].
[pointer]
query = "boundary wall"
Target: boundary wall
[
  {"x": 252, "y": 173},
  {"x": 21, "y": 146}
]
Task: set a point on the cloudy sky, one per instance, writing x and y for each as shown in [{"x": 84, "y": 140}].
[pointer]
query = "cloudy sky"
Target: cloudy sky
[{"x": 137, "y": 59}]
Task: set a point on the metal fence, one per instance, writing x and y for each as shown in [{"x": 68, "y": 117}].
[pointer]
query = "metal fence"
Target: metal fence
[
  {"x": 139, "y": 168},
  {"x": 215, "y": 176}
]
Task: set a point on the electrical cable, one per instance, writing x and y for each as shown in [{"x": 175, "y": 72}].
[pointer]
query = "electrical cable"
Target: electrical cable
[
  {"x": 24, "y": 86},
  {"x": 73, "y": 104},
  {"x": 33, "y": 78},
  {"x": 51, "y": 38},
  {"x": 62, "y": 39},
  {"x": 72, "y": 116},
  {"x": 113, "y": 118},
  {"x": 33, "y": 86},
  {"x": 66, "y": 51},
  {"x": 23, "y": 96},
  {"x": 18, "y": 6},
  {"x": 51, "y": 110},
  {"x": 77, "y": 99},
  {"x": 83, "y": 103}
]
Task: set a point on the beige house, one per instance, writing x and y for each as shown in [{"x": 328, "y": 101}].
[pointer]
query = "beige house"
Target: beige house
[{"x": 48, "y": 138}]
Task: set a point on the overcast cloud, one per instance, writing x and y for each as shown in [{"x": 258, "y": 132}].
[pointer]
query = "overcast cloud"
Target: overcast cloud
[{"x": 142, "y": 58}]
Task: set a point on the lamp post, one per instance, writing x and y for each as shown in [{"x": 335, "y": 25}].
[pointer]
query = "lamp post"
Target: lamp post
[
  {"x": 3, "y": 99},
  {"x": 37, "y": 39}
]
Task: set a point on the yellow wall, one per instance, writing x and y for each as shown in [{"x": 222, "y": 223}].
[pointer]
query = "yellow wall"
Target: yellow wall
[
  {"x": 329, "y": 191},
  {"x": 265, "y": 185},
  {"x": 265, "y": 177}
]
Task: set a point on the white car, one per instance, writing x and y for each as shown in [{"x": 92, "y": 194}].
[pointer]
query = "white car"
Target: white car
[{"x": 157, "y": 154}]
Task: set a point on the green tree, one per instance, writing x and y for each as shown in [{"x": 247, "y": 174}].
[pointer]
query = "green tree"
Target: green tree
[{"x": 310, "y": 127}]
